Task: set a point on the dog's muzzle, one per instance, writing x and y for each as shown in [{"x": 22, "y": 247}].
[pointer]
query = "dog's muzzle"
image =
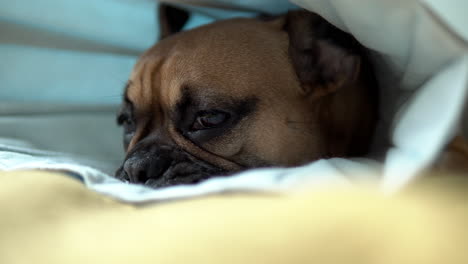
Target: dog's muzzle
[{"x": 160, "y": 166}]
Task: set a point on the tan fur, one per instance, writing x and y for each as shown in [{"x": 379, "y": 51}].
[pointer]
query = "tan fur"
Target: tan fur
[{"x": 241, "y": 58}]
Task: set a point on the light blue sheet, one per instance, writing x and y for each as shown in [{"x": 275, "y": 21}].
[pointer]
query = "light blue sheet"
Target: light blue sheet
[{"x": 63, "y": 67}]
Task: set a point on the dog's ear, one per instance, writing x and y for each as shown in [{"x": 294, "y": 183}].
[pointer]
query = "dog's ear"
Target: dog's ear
[
  {"x": 323, "y": 56},
  {"x": 171, "y": 19}
]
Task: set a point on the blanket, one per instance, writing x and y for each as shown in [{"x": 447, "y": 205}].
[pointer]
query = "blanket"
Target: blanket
[{"x": 49, "y": 218}]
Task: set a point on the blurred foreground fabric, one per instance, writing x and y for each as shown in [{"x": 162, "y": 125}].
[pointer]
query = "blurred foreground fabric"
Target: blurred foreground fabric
[{"x": 60, "y": 221}]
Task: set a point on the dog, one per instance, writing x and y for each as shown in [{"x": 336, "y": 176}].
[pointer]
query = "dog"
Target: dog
[{"x": 245, "y": 93}]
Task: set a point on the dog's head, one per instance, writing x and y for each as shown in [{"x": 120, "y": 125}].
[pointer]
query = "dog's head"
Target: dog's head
[{"x": 245, "y": 93}]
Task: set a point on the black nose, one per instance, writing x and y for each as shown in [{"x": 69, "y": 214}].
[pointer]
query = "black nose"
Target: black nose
[{"x": 144, "y": 165}]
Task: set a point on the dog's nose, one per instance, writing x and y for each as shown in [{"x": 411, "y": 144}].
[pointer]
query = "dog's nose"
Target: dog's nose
[{"x": 144, "y": 166}]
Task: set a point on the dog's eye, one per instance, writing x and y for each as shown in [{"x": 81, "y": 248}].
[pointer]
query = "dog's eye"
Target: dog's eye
[
  {"x": 126, "y": 121},
  {"x": 209, "y": 119},
  {"x": 123, "y": 119}
]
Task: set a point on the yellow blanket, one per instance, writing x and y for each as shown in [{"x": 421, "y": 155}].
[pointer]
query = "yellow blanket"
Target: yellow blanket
[{"x": 48, "y": 218}]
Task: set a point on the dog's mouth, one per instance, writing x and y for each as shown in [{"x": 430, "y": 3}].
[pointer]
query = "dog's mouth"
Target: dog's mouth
[
  {"x": 166, "y": 169},
  {"x": 185, "y": 173}
]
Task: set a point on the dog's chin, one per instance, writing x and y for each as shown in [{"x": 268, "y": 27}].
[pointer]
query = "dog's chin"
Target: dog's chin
[{"x": 181, "y": 173}]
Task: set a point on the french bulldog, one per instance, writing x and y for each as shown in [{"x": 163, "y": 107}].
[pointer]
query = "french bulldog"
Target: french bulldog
[{"x": 245, "y": 93}]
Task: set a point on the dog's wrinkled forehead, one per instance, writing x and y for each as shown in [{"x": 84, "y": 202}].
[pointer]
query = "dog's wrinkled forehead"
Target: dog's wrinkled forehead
[
  {"x": 203, "y": 59},
  {"x": 145, "y": 77}
]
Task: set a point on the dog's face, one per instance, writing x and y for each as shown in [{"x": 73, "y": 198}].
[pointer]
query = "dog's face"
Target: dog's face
[{"x": 244, "y": 93}]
